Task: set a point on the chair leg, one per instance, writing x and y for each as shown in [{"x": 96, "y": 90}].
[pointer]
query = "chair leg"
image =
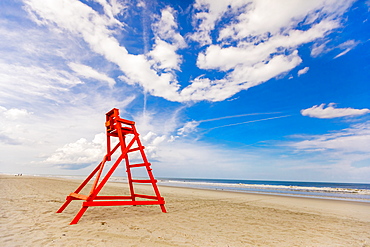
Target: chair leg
[
  {"x": 163, "y": 208},
  {"x": 78, "y": 215},
  {"x": 65, "y": 204}
]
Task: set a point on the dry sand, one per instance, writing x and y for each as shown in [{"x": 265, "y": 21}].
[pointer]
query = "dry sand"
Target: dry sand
[{"x": 194, "y": 218}]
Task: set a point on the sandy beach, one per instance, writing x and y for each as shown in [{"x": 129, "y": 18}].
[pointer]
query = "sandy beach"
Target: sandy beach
[{"x": 195, "y": 218}]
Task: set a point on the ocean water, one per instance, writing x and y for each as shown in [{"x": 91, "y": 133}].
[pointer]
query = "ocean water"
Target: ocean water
[
  {"x": 339, "y": 191},
  {"x": 325, "y": 190}
]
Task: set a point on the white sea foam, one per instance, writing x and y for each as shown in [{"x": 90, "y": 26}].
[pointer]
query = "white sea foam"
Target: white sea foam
[{"x": 264, "y": 187}]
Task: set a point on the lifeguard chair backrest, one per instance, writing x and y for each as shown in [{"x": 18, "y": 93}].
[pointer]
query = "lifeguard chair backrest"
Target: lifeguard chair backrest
[
  {"x": 117, "y": 127},
  {"x": 111, "y": 118}
]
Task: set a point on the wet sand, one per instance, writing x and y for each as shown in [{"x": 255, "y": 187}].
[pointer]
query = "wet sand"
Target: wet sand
[{"x": 195, "y": 218}]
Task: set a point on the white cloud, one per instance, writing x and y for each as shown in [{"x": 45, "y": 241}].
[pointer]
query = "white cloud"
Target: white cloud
[
  {"x": 241, "y": 78},
  {"x": 336, "y": 155},
  {"x": 208, "y": 14},
  {"x": 319, "y": 48},
  {"x": 28, "y": 143},
  {"x": 88, "y": 72},
  {"x": 167, "y": 41},
  {"x": 352, "y": 144},
  {"x": 35, "y": 83},
  {"x": 14, "y": 113},
  {"x": 264, "y": 17},
  {"x": 166, "y": 28},
  {"x": 303, "y": 71},
  {"x": 189, "y": 159},
  {"x": 165, "y": 56},
  {"x": 41, "y": 82},
  {"x": 79, "y": 154},
  {"x": 249, "y": 54},
  {"x": 318, "y": 111},
  {"x": 11, "y": 125},
  {"x": 347, "y": 141},
  {"x": 154, "y": 133},
  {"x": 112, "y": 8},
  {"x": 323, "y": 47},
  {"x": 248, "y": 77},
  {"x": 347, "y": 46},
  {"x": 252, "y": 49},
  {"x": 79, "y": 19},
  {"x": 152, "y": 142},
  {"x": 188, "y": 128}
]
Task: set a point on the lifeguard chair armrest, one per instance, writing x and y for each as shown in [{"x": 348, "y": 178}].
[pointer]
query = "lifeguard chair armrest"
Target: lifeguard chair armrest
[{"x": 125, "y": 121}]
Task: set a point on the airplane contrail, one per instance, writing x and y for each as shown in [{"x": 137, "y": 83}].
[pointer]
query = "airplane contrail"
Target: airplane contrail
[
  {"x": 234, "y": 116},
  {"x": 252, "y": 121}
]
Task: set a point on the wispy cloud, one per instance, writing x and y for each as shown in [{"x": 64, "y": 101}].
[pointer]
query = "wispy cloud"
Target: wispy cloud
[
  {"x": 346, "y": 46},
  {"x": 303, "y": 71},
  {"x": 189, "y": 127},
  {"x": 320, "y": 111},
  {"x": 88, "y": 72},
  {"x": 355, "y": 139},
  {"x": 38, "y": 84},
  {"x": 340, "y": 155}
]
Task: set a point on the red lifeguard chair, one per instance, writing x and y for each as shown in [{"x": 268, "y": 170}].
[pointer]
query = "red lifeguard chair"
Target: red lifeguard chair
[{"x": 117, "y": 127}]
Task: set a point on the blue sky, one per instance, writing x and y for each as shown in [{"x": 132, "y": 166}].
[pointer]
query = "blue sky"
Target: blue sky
[{"x": 249, "y": 89}]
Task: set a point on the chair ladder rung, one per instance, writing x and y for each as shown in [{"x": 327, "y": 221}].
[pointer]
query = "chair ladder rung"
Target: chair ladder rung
[
  {"x": 150, "y": 197},
  {"x": 135, "y": 149},
  {"x": 140, "y": 165},
  {"x": 143, "y": 181}
]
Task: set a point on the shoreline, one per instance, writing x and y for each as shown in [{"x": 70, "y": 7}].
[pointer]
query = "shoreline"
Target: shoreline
[
  {"x": 276, "y": 194},
  {"x": 330, "y": 193},
  {"x": 196, "y": 217}
]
